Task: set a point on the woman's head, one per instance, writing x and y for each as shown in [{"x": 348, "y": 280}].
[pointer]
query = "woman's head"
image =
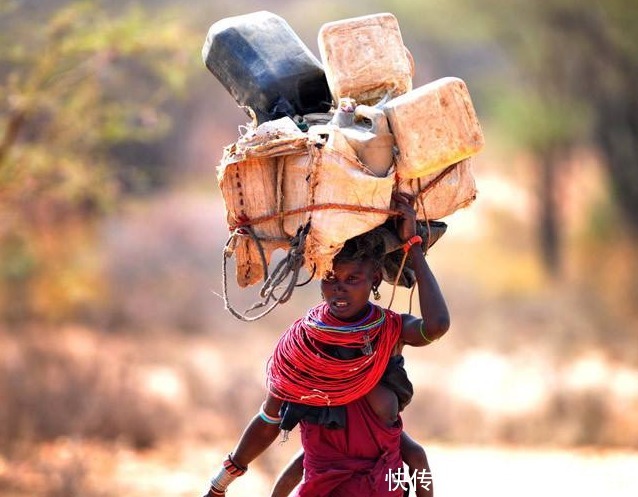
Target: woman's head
[
  {"x": 356, "y": 269},
  {"x": 363, "y": 248}
]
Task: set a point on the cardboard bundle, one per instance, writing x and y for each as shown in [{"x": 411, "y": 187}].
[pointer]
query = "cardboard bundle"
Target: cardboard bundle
[
  {"x": 441, "y": 193},
  {"x": 358, "y": 202},
  {"x": 270, "y": 195}
]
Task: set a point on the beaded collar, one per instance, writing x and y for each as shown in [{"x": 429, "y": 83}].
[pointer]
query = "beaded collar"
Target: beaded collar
[{"x": 364, "y": 324}]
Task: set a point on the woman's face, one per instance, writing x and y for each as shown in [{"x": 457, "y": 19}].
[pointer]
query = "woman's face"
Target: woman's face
[{"x": 346, "y": 289}]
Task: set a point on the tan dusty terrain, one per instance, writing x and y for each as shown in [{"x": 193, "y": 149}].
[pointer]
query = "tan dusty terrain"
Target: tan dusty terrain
[{"x": 459, "y": 471}]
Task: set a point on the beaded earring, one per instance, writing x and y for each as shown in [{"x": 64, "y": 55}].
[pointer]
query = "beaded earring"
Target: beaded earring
[{"x": 375, "y": 293}]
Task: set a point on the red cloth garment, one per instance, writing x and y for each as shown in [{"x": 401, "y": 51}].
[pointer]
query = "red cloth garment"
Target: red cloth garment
[
  {"x": 302, "y": 369},
  {"x": 352, "y": 462}
]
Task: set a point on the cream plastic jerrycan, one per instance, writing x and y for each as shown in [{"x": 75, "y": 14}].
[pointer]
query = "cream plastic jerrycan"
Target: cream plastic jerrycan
[
  {"x": 364, "y": 58},
  {"x": 434, "y": 126},
  {"x": 366, "y": 131}
]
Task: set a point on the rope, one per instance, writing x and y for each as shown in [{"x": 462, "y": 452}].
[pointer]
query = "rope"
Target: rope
[
  {"x": 288, "y": 268},
  {"x": 435, "y": 181},
  {"x": 316, "y": 207},
  {"x": 405, "y": 256},
  {"x": 396, "y": 279},
  {"x": 344, "y": 207}
]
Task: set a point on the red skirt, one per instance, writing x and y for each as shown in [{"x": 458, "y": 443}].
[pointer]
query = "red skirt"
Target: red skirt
[{"x": 352, "y": 462}]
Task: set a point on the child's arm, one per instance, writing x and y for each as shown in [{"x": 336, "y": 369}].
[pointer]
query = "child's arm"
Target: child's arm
[
  {"x": 435, "y": 320},
  {"x": 260, "y": 433},
  {"x": 414, "y": 456},
  {"x": 289, "y": 477}
]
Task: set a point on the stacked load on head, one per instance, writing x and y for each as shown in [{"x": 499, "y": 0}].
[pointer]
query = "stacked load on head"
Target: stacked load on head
[{"x": 326, "y": 151}]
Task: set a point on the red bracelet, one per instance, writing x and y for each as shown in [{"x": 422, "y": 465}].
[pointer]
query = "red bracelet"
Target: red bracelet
[
  {"x": 412, "y": 241},
  {"x": 233, "y": 468}
]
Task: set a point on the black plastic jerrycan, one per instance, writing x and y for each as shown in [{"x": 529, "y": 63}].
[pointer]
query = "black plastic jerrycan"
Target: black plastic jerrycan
[{"x": 264, "y": 65}]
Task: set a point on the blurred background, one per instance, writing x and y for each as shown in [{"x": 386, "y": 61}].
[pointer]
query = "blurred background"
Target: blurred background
[{"x": 120, "y": 370}]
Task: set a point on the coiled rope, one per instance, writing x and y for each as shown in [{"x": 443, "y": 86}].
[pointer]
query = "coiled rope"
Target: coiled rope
[{"x": 287, "y": 269}]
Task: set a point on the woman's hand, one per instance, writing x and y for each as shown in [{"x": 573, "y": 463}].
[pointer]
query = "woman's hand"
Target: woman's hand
[
  {"x": 435, "y": 319},
  {"x": 406, "y": 220}
]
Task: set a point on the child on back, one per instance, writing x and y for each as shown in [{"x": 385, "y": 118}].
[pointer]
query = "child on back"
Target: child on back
[{"x": 325, "y": 375}]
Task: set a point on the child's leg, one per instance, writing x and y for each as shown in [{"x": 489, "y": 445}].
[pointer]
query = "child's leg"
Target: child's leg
[
  {"x": 384, "y": 403},
  {"x": 290, "y": 477},
  {"x": 413, "y": 454}
]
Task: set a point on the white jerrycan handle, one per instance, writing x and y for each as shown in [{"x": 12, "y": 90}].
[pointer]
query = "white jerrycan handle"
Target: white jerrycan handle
[{"x": 376, "y": 116}]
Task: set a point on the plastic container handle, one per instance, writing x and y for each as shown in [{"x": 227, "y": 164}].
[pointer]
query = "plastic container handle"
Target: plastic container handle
[{"x": 376, "y": 116}]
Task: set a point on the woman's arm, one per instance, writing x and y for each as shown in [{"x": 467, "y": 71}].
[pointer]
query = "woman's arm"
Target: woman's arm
[
  {"x": 435, "y": 320},
  {"x": 260, "y": 433}
]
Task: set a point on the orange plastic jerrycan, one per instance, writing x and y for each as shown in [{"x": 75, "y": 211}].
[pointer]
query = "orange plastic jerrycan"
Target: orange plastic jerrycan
[
  {"x": 364, "y": 58},
  {"x": 434, "y": 126}
]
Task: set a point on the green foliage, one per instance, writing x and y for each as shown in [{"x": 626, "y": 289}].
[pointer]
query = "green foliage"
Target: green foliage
[
  {"x": 83, "y": 82},
  {"x": 72, "y": 88},
  {"x": 441, "y": 20},
  {"x": 533, "y": 120}
]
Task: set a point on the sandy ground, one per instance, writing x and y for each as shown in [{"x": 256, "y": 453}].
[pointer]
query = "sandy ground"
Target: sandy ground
[
  {"x": 458, "y": 471},
  {"x": 66, "y": 469}
]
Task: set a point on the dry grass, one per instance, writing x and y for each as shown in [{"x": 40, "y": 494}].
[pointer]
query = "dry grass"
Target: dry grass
[{"x": 73, "y": 383}]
